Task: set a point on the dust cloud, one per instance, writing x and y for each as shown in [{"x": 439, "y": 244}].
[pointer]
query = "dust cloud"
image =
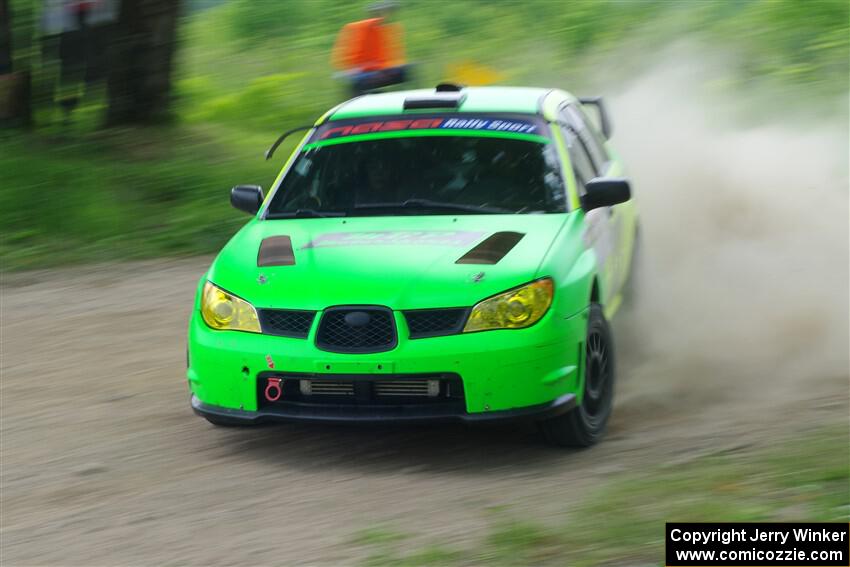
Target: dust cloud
[{"x": 742, "y": 287}]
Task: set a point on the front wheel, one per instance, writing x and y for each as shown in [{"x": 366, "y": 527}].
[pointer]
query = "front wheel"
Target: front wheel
[{"x": 585, "y": 425}]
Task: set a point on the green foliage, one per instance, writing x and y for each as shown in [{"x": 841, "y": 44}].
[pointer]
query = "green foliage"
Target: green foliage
[
  {"x": 248, "y": 70},
  {"x": 787, "y": 40},
  {"x": 24, "y": 22},
  {"x": 120, "y": 195},
  {"x": 377, "y": 536},
  {"x": 806, "y": 43},
  {"x": 265, "y": 65},
  {"x": 251, "y": 19},
  {"x": 266, "y": 102}
]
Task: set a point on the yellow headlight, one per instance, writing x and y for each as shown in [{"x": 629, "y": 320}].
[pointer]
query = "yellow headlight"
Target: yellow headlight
[
  {"x": 221, "y": 310},
  {"x": 514, "y": 309}
]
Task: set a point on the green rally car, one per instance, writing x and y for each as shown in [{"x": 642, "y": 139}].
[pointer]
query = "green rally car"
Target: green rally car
[{"x": 425, "y": 255}]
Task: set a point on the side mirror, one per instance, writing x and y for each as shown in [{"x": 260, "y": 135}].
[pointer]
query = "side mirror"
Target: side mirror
[
  {"x": 247, "y": 198},
  {"x": 605, "y": 192}
]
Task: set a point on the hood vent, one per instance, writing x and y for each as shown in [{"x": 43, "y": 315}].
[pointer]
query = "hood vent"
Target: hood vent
[
  {"x": 491, "y": 249},
  {"x": 276, "y": 251}
]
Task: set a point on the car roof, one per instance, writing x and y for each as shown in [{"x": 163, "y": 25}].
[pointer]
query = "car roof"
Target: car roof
[{"x": 519, "y": 100}]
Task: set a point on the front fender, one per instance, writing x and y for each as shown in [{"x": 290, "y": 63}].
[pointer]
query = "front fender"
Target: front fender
[
  {"x": 577, "y": 284},
  {"x": 573, "y": 265}
]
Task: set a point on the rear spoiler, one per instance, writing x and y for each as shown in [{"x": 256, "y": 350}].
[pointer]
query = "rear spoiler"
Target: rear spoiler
[{"x": 604, "y": 121}]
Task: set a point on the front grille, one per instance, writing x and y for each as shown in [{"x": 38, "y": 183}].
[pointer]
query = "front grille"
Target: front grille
[
  {"x": 356, "y": 330},
  {"x": 413, "y": 388},
  {"x": 326, "y": 388},
  {"x": 286, "y": 322},
  {"x": 435, "y": 322}
]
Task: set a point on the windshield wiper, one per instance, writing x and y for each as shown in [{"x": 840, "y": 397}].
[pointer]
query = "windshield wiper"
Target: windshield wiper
[
  {"x": 304, "y": 213},
  {"x": 439, "y": 205}
]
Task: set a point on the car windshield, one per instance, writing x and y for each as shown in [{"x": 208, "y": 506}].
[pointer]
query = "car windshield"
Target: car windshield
[{"x": 422, "y": 175}]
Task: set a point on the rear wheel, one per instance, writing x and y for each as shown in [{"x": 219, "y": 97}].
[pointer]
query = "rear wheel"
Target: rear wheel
[{"x": 585, "y": 425}]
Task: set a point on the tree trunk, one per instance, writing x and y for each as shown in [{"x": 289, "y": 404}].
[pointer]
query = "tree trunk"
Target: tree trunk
[
  {"x": 141, "y": 61},
  {"x": 5, "y": 37},
  {"x": 15, "y": 95}
]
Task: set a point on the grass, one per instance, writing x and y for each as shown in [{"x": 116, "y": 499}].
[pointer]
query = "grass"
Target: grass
[
  {"x": 125, "y": 194},
  {"x": 622, "y": 522}
]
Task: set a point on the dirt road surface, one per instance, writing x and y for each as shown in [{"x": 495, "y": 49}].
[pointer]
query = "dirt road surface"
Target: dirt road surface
[{"x": 103, "y": 462}]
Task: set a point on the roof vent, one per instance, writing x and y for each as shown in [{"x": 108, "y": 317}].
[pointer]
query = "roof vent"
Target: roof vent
[
  {"x": 449, "y": 88},
  {"x": 440, "y": 99}
]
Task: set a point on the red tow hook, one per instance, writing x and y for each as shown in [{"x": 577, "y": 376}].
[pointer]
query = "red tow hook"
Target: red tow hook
[{"x": 273, "y": 390}]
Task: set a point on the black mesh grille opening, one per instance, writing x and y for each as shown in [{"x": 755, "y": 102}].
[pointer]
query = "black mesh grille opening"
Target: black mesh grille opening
[
  {"x": 435, "y": 322},
  {"x": 356, "y": 330},
  {"x": 365, "y": 391},
  {"x": 286, "y": 322}
]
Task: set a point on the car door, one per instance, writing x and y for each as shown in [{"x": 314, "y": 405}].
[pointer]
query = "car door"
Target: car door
[{"x": 604, "y": 226}]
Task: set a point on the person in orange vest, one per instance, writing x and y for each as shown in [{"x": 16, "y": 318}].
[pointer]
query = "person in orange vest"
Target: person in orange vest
[{"x": 370, "y": 53}]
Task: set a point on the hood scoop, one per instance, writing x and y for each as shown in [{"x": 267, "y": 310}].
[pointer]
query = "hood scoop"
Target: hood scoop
[
  {"x": 491, "y": 249},
  {"x": 276, "y": 251}
]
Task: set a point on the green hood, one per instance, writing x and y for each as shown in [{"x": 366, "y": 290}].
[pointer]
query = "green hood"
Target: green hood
[{"x": 405, "y": 262}]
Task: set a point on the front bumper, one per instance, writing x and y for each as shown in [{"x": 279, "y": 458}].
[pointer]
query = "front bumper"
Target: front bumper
[
  {"x": 393, "y": 413},
  {"x": 505, "y": 373}
]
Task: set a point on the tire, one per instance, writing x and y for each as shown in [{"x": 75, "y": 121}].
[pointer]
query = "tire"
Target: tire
[{"x": 585, "y": 425}]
